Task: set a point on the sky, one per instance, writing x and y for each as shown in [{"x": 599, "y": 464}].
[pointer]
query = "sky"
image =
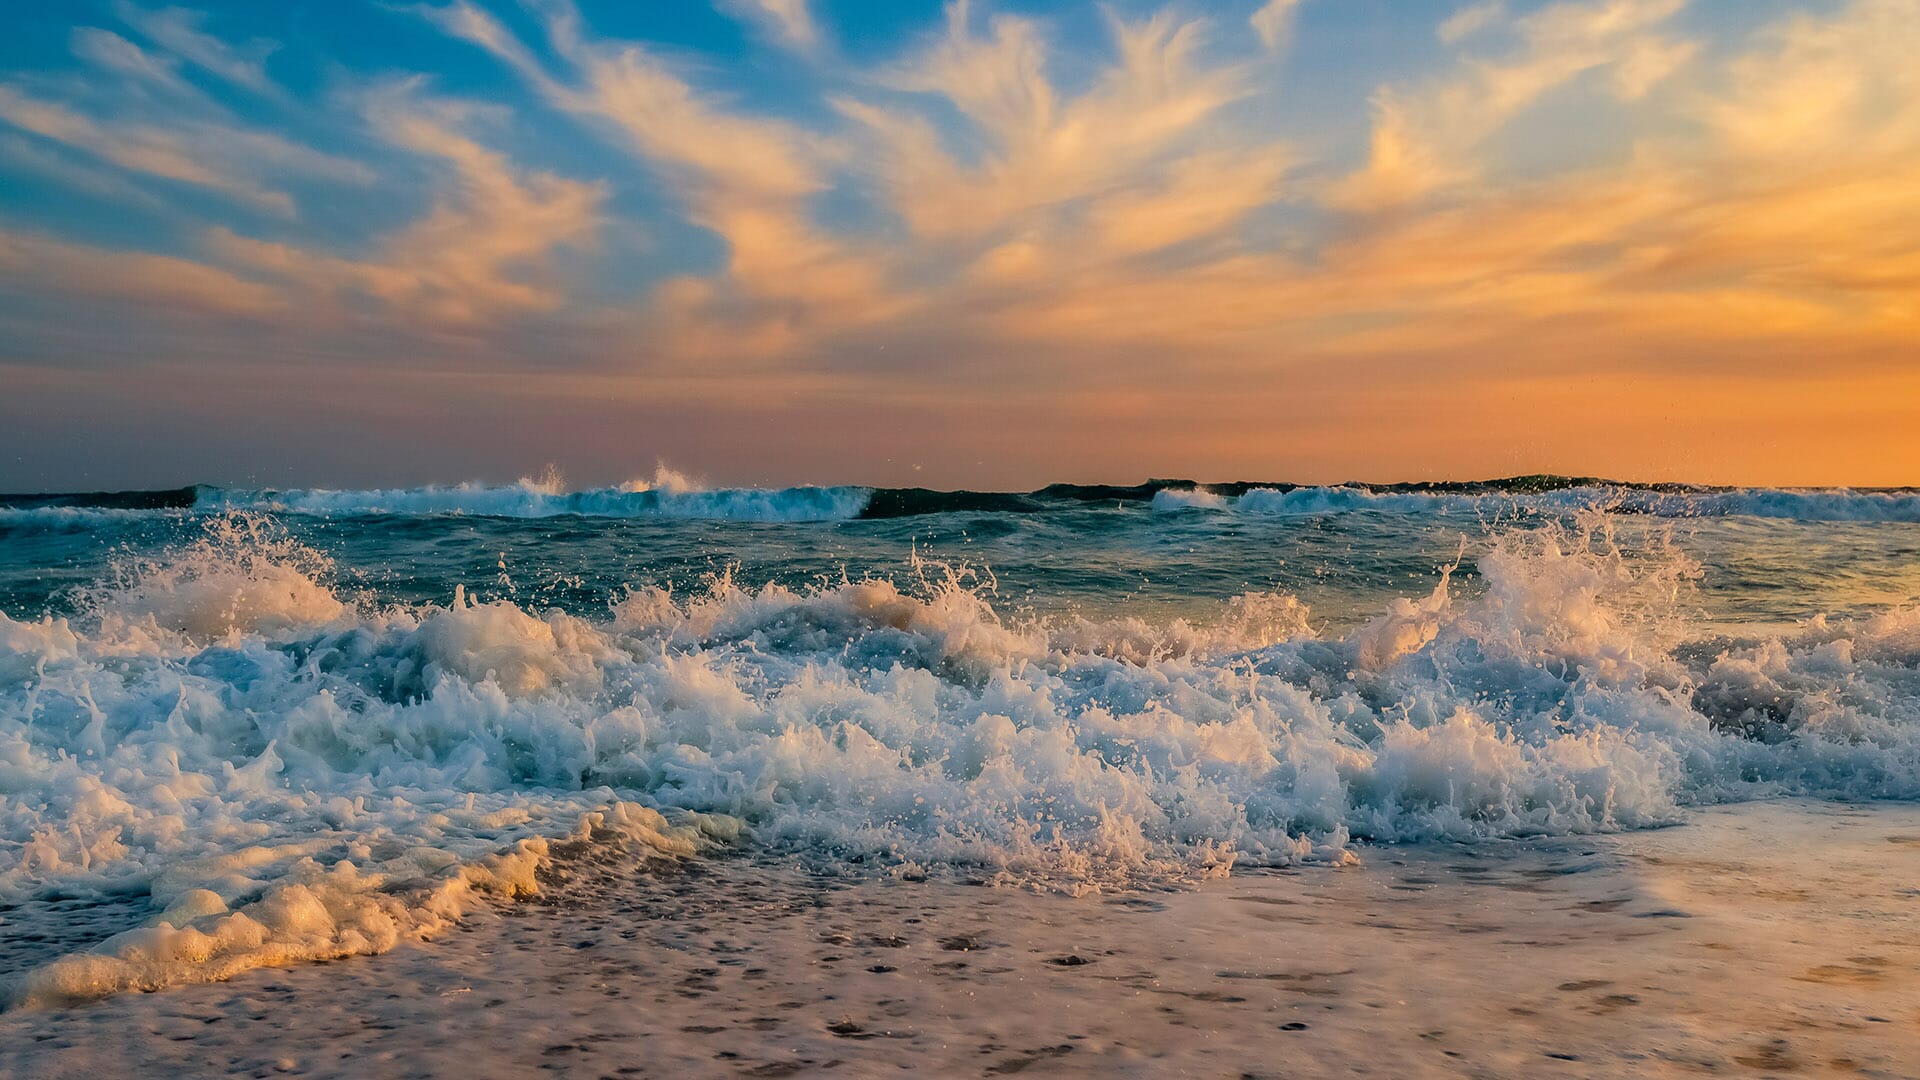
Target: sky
[{"x": 987, "y": 245}]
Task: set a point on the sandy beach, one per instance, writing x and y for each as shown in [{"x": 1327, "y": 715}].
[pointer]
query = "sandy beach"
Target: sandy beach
[{"x": 1767, "y": 939}]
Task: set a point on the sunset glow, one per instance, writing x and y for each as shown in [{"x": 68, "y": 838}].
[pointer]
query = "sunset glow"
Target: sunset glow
[{"x": 980, "y": 245}]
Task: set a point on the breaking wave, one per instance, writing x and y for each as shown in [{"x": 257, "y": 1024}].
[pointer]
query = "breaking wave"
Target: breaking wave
[
  {"x": 1194, "y": 498},
  {"x": 273, "y": 770}
]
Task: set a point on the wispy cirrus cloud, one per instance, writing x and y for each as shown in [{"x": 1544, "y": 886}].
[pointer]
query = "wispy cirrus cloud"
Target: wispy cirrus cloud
[
  {"x": 220, "y": 157},
  {"x": 1044, "y": 149},
  {"x": 1273, "y": 22},
  {"x": 28, "y": 156},
  {"x": 139, "y": 113},
  {"x": 749, "y": 179},
  {"x": 1429, "y": 136},
  {"x": 1470, "y": 20},
  {"x": 110, "y": 51},
  {"x": 482, "y": 253},
  {"x": 791, "y": 21},
  {"x": 179, "y": 31},
  {"x": 169, "y": 286}
]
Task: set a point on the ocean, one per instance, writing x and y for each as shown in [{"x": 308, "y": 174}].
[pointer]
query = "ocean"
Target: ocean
[{"x": 256, "y": 728}]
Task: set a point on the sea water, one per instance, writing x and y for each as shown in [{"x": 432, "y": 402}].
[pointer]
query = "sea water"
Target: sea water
[{"x": 252, "y": 727}]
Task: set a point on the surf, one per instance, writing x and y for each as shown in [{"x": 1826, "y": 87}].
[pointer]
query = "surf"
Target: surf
[{"x": 226, "y": 724}]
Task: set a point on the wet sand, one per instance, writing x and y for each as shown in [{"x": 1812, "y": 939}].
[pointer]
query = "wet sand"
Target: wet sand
[{"x": 1770, "y": 939}]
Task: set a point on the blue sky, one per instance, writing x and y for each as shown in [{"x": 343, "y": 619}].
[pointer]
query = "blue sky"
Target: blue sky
[{"x": 982, "y": 245}]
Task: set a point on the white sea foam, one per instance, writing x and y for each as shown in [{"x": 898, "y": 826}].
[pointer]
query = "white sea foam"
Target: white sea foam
[
  {"x": 243, "y": 575},
  {"x": 353, "y": 906},
  {"x": 280, "y": 772},
  {"x": 1167, "y": 499}
]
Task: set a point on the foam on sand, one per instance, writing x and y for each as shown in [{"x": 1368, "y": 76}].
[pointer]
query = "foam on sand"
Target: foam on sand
[
  {"x": 311, "y": 912},
  {"x": 1614, "y": 958}
]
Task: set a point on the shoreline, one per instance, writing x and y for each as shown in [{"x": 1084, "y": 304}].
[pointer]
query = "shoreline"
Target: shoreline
[{"x": 1758, "y": 939}]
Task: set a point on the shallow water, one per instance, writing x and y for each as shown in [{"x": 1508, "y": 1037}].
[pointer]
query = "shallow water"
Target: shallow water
[
  {"x": 1764, "y": 939},
  {"x": 255, "y": 728}
]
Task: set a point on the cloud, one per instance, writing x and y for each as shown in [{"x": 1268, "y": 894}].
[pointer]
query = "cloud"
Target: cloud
[
  {"x": 1274, "y": 23},
  {"x": 748, "y": 179},
  {"x": 172, "y": 287},
  {"x": 152, "y": 122},
  {"x": 182, "y": 135},
  {"x": 1114, "y": 156},
  {"x": 178, "y": 31},
  {"x": 115, "y": 53},
  {"x": 637, "y": 94},
  {"x": 1471, "y": 19},
  {"x": 1201, "y": 196},
  {"x": 1115, "y": 217},
  {"x": 201, "y": 157},
  {"x": 27, "y": 155},
  {"x": 483, "y": 253},
  {"x": 473, "y": 24},
  {"x": 1429, "y": 137},
  {"x": 790, "y": 20},
  {"x": 1843, "y": 86},
  {"x": 1044, "y": 149}
]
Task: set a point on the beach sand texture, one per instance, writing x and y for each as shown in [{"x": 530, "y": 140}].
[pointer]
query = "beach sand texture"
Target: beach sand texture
[{"x": 1767, "y": 939}]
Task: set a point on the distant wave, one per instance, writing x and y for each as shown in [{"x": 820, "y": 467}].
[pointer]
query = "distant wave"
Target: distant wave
[
  {"x": 528, "y": 500},
  {"x": 1837, "y": 504},
  {"x": 669, "y": 495},
  {"x": 1531, "y": 494},
  {"x": 1333, "y": 500},
  {"x": 60, "y": 519}
]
